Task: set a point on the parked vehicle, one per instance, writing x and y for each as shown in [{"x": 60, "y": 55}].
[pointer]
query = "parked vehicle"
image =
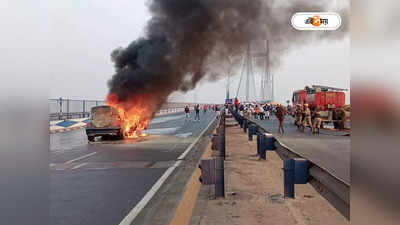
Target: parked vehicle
[{"x": 105, "y": 122}]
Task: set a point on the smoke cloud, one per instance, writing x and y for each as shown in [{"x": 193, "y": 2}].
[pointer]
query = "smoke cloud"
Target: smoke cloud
[{"x": 187, "y": 40}]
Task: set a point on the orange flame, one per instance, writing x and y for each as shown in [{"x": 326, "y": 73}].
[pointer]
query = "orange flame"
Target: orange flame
[{"x": 135, "y": 114}]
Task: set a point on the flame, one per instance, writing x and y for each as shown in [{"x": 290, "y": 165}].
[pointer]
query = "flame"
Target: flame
[{"x": 135, "y": 114}]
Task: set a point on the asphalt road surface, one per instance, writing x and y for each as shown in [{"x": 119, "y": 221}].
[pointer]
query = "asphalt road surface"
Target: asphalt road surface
[
  {"x": 329, "y": 149},
  {"x": 99, "y": 183}
]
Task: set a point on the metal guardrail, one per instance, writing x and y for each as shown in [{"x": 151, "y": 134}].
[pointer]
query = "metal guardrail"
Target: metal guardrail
[
  {"x": 335, "y": 190},
  {"x": 64, "y": 109},
  {"x": 332, "y": 188}
]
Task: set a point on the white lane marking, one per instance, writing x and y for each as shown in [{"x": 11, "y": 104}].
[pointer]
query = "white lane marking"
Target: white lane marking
[
  {"x": 182, "y": 156},
  {"x": 166, "y": 119},
  {"x": 58, "y": 151},
  {"x": 136, "y": 210},
  {"x": 79, "y": 158},
  {"x": 184, "y": 135},
  {"x": 98, "y": 168},
  {"x": 168, "y": 130},
  {"x": 79, "y": 166}
]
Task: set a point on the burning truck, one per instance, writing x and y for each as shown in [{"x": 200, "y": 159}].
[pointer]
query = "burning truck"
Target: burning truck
[
  {"x": 114, "y": 121},
  {"x": 111, "y": 122}
]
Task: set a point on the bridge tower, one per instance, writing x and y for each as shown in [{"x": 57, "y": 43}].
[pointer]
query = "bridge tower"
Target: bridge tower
[
  {"x": 247, "y": 77},
  {"x": 267, "y": 79},
  {"x": 248, "y": 89}
]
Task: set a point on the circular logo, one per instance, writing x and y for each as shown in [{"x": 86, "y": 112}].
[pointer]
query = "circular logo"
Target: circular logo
[{"x": 316, "y": 21}]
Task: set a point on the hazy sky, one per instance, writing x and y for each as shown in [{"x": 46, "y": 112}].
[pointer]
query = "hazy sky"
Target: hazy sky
[{"x": 85, "y": 32}]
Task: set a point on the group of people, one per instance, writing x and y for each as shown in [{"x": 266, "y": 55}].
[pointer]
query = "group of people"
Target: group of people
[
  {"x": 196, "y": 109},
  {"x": 263, "y": 111},
  {"x": 307, "y": 117},
  {"x": 256, "y": 111},
  {"x": 313, "y": 118},
  {"x": 304, "y": 114}
]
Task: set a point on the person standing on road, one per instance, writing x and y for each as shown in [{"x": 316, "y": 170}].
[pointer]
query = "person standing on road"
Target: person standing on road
[
  {"x": 341, "y": 117},
  {"x": 251, "y": 111},
  {"x": 187, "y": 113},
  {"x": 280, "y": 114},
  {"x": 217, "y": 111},
  {"x": 205, "y": 109},
  {"x": 197, "y": 110},
  {"x": 236, "y": 104},
  {"x": 256, "y": 112},
  {"x": 289, "y": 109},
  {"x": 317, "y": 120},
  {"x": 299, "y": 115},
  {"x": 267, "y": 112},
  {"x": 307, "y": 119},
  {"x": 261, "y": 111}
]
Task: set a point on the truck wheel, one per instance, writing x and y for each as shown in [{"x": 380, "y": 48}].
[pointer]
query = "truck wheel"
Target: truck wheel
[
  {"x": 90, "y": 138},
  {"x": 120, "y": 136}
]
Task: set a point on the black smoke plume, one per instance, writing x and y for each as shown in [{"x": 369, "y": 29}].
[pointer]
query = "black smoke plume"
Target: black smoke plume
[{"x": 182, "y": 37}]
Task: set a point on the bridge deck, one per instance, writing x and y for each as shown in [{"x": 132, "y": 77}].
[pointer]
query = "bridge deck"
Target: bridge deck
[{"x": 329, "y": 150}]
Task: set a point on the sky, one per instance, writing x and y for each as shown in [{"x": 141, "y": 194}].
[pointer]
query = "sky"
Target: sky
[{"x": 84, "y": 33}]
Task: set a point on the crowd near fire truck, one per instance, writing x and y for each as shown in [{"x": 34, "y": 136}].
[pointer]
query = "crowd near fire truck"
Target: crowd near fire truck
[
  {"x": 316, "y": 106},
  {"x": 329, "y": 101}
]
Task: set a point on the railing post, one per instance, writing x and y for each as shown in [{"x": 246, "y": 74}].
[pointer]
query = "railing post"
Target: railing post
[
  {"x": 222, "y": 134},
  {"x": 289, "y": 177},
  {"x": 262, "y": 149},
  {"x": 68, "y": 115},
  {"x": 251, "y": 132},
  {"x": 219, "y": 177},
  {"x": 83, "y": 108},
  {"x": 259, "y": 144},
  {"x": 61, "y": 112},
  {"x": 240, "y": 121}
]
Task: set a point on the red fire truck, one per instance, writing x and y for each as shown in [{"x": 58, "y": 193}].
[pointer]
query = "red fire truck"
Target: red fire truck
[{"x": 325, "y": 98}]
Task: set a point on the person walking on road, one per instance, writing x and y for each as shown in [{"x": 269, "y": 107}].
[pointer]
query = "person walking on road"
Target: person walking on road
[
  {"x": 187, "y": 113},
  {"x": 307, "y": 119},
  {"x": 280, "y": 114},
  {"x": 205, "y": 109},
  {"x": 197, "y": 110}
]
